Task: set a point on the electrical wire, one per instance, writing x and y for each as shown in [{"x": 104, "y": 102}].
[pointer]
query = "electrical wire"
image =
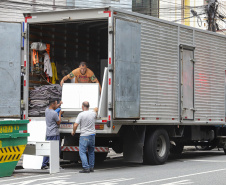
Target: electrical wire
[
  {"x": 45, "y": 5},
  {"x": 167, "y": 9}
]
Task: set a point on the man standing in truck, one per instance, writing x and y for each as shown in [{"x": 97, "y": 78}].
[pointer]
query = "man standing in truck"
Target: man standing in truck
[
  {"x": 81, "y": 75},
  {"x": 86, "y": 120}
]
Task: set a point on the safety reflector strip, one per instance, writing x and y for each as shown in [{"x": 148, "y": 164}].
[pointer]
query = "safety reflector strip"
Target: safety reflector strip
[
  {"x": 22, "y": 131},
  {"x": 25, "y": 63},
  {"x": 24, "y": 83},
  {"x": 11, "y": 153},
  {"x": 109, "y": 81},
  {"x": 110, "y": 60},
  {"x": 66, "y": 126},
  {"x": 76, "y": 149}
]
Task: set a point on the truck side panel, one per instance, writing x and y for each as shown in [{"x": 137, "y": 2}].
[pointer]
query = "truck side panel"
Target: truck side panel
[
  {"x": 210, "y": 68},
  {"x": 127, "y": 73},
  {"x": 10, "y": 67},
  {"x": 159, "y": 89},
  {"x": 161, "y": 72}
]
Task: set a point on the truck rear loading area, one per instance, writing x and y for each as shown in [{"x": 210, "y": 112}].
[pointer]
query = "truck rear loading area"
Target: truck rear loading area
[
  {"x": 73, "y": 42},
  {"x": 165, "y": 86}
]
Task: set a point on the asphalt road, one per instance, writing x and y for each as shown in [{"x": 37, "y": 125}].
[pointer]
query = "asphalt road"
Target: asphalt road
[{"x": 193, "y": 167}]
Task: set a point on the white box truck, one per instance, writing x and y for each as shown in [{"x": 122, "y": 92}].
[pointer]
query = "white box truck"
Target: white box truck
[{"x": 165, "y": 87}]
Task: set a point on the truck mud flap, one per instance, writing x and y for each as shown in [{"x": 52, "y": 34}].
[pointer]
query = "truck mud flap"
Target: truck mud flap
[{"x": 133, "y": 143}]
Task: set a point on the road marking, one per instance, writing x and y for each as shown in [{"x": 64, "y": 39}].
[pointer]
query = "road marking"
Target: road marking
[
  {"x": 64, "y": 180},
  {"x": 106, "y": 182},
  {"x": 56, "y": 182},
  {"x": 180, "y": 182},
  {"x": 37, "y": 180},
  {"x": 210, "y": 161},
  {"x": 182, "y": 176},
  {"x": 37, "y": 176}
]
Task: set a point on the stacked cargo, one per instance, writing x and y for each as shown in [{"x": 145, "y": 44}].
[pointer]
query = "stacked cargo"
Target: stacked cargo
[{"x": 39, "y": 98}]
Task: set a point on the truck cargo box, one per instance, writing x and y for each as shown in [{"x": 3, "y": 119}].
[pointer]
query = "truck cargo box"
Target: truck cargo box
[{"x": 159, "y": 72}]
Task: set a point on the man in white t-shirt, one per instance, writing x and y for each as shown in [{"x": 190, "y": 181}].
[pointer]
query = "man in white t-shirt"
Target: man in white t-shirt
[{"x": 86, "y": 120}]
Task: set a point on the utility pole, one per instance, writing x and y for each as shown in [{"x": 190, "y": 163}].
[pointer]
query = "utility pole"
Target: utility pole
[{"x": 211, "y": 11}]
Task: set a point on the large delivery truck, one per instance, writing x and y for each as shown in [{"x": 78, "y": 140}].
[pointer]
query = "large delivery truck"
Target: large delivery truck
[{"x": 163, "y": 87}]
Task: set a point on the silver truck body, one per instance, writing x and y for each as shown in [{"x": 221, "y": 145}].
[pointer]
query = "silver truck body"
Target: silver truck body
[
  {"x": 163, "y": 78},
  {"x": 164, "y": 97}
]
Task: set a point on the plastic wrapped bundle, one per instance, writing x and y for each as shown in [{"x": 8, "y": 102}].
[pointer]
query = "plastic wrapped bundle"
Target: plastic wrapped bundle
[{"x": 38, "y": 46}]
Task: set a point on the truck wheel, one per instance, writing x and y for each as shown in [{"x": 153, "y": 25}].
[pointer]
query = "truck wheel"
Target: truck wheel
[
  {"x": 176, "y": 149},
  {"x": 156, "y": 147}
]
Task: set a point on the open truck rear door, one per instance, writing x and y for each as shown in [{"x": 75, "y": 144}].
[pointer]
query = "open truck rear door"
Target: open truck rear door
[
  {"x": 127, "y": 69},
  {"x": 10, "y": 69}
]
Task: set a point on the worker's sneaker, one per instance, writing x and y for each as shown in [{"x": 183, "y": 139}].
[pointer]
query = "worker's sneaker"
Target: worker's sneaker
[
  {"x": 91, "y": 170},
  {"x": 84, "y": 171},
  {"x": 44, "y": 167}
]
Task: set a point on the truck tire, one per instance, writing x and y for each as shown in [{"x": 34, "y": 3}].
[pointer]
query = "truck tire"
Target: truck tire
[
  {"x": 156, "y": 147},
  {"x": 176, "y": 149}
]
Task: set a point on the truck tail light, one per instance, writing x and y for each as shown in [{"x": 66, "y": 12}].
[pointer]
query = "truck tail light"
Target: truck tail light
[{"x": 99, "y": 127}]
